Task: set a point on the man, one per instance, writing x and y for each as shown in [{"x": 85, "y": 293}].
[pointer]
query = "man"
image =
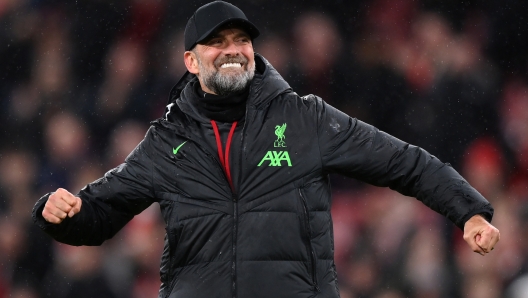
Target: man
[{"x": 239, "y": 165}]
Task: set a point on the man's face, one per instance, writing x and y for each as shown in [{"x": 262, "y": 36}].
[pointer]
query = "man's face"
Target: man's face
[{"x": 224, "y": 63}]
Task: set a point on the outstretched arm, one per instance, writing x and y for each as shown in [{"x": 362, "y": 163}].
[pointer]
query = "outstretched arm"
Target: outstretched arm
[
  {"x": 361, "y": 151},
  {"x": 103, "y": 207}
]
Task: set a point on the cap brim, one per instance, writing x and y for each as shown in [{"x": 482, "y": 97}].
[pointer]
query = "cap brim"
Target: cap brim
[{"x": 237, "y": 22}]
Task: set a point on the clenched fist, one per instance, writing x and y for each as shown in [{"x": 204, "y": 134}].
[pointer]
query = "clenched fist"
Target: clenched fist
[
  {"x": 59, "y": 205},
  {"x": 480, "y": 235}
]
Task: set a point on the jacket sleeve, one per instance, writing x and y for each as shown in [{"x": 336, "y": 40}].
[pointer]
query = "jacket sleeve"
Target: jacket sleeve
[
  {"x": 358, "y": 150},
  {"x": 107, "y": 203}
]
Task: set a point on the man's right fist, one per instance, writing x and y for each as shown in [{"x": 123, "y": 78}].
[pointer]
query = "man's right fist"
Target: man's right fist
[{"x": 59, "y": 205}]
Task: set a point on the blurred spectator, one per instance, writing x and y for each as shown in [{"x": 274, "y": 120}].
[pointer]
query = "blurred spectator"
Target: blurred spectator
[
  {"x": 518, "y": 236},
  {"x": 89, "y": 171},
  {"x": 77, "y": 273},
  {"x": 123, "y": 140},
  {"x": 318, "y": 66},
  {"x": 144, "y": 234},
  {"x": 484, "y": 167},
  {"x": 379, "y": 89},
  {"x": 519, "y": 288},
  {"x": 274, "y": 48},
  {"x": 94, "y": 26},
  {"x": 18, "y": 22},
  {"x": 508, "y": 42},
  {"x": 167, "y": 67},
  {"x": 425, "y": 270},
  {"x": 67, "y": 144},
  {"x": 458, "y": 86},
  {"x": 481, "y": 286},
  {"x": 445, "y": 80},
  {"x": 119, "y": 96},
  {"x": 17, "y": 177},
  {"x": 21, "y": 243},
  {"x": 46, "y": 87},
  {"x": 514, "y": 112}
]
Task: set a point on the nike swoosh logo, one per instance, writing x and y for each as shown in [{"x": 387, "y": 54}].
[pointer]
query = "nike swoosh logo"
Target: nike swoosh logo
[{"x": 175, "y": 150}]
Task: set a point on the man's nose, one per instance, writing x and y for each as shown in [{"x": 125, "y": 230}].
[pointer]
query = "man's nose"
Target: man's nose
[{"x": 231, "y": 49}]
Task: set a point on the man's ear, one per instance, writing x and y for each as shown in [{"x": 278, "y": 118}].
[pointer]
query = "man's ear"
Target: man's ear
[{"x": 191, "y": 62}]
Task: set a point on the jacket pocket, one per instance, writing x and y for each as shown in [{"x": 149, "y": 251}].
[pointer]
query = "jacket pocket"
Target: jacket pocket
[
  {"x": 169, "y": 261},
  {"x": 312, "y": 266},
  {"x": 168, "y": 269}
]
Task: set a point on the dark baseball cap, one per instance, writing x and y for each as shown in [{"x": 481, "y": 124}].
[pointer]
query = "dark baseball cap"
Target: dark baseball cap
[{"x": 210, "y": 17}]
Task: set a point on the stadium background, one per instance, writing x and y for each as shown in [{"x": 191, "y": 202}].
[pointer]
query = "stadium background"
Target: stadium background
[{"x": 80, "y": 81}]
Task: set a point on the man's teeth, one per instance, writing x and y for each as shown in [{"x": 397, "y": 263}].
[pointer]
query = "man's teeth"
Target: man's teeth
[{"x": 226, "y": 65}]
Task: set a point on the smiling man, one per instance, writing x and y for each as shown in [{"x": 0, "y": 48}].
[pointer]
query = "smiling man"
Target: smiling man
[
  {"x": 243, "y": 188},
  {"x": 224, "y": 63}
]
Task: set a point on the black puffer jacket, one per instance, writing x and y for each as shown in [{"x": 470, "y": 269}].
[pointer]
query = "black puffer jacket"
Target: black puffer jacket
[{"x": 270, "y": 236}]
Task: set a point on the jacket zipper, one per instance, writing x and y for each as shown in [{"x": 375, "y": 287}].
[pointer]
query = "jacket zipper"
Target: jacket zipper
[
  {"x": 235, "y": 231},
  {"x": 310, "y": 246},
  {"x": 224, "y": 160},
  {"x": 235, "y": 216},
  {"x": 235, "y": 222}
]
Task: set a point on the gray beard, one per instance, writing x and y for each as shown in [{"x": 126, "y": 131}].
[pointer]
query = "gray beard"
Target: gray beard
[{"x": 224, "y": 84}]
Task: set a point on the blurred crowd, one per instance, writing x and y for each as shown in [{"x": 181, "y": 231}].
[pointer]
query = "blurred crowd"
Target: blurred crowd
[{"x": 80, "y": 81}]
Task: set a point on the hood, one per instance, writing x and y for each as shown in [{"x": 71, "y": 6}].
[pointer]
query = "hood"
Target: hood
[{"x": 266, "y": 84}]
